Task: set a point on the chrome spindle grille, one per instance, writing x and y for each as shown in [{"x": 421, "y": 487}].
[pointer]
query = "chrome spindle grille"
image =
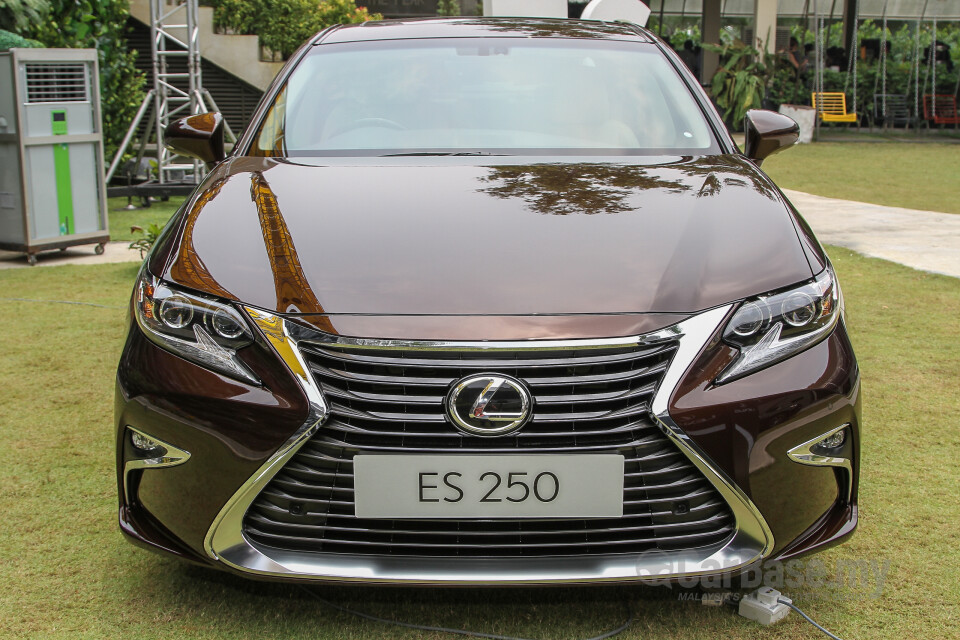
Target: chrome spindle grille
[{"x": 585, "y": 400}]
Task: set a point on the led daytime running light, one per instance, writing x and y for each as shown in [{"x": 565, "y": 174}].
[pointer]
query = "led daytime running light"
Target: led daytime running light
[
  {"x": 200, "y": 330},
  {"x": 773, "y": 327}
]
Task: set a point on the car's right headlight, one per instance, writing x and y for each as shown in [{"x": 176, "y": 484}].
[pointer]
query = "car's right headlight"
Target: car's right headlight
[
  {"x": 773, "y": 327},
  {"x": 200, "y": 329}
]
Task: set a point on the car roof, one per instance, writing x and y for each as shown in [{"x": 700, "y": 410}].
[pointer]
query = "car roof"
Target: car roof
[{"x": 483, "y": 27}]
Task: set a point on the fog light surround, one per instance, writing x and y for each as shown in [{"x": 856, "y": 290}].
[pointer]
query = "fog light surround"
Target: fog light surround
[
  {"x": 825, "y": 451},
  {"x": 155, "y": 454}
]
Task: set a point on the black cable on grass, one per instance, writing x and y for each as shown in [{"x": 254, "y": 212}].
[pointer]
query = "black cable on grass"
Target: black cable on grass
[
  {"x": 806, "y": 617},
  {"x": 86, "y": 304},
  {"x": 459, "y": 632}
]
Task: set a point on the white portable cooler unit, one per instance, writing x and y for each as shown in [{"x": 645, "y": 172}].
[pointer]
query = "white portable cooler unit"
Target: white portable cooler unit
[{"x": 52, "y": 194}]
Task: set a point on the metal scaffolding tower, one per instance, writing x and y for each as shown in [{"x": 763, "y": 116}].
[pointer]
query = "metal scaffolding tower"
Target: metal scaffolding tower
[
  {"x": 175, "y": 94},
  {"x": 170, "y": 100}
]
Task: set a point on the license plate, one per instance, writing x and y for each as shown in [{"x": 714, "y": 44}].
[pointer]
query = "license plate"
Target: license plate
[{"x": 488, "y": 486}]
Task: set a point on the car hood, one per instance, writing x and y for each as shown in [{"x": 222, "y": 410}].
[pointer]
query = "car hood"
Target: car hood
[{"x": 486, "y": 236}]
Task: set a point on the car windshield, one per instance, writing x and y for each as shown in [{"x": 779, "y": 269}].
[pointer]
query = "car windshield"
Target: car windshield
[{"x": 484, "y": 96}]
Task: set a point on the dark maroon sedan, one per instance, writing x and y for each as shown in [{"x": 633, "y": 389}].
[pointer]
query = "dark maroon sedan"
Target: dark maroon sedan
[{"x": 487, "y": 301}]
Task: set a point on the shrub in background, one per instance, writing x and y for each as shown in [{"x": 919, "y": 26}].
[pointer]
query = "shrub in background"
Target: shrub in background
[
  {"x": 16, "y": 15},
  {"x": 744, "y": 82},
  {"x": 9, "y": 40},
  {"x": 283, "y": 25},
  {"x": 150, "y": 235},
  {"x": 342, "y": 12},
  {"x": 741, "y": 80},
  {"x": 448, "y": 7}
]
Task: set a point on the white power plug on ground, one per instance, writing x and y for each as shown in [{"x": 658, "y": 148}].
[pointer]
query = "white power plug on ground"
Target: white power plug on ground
[{"x": 762, "y": 606}]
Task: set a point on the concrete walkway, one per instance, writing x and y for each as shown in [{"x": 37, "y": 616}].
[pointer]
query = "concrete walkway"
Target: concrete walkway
[
  {"x": 923, "y": 240},
  {"x": 83, "y": 254}
]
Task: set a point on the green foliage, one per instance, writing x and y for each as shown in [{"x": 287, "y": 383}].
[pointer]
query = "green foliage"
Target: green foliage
[
  {"x": 10, "y": 40},
  {"x": 98, "y": 25},
  {"x": 674, "y": 29},
  {"x": 448, "y": 7},
  {"x": 806, "y": 36},
  {"x": 902, "y": 40},
  {"x": 679, "y": 37},
  {"x": 741, "y": 80},
  {"x": 899, "y": 80},
  {"x": 283, "y": 25},
  {"x": 18, "y": 15},
  {"x": 238, "y": 16},
  {"x": 343, "y": 12},
  {"x": 784, "y": 87},
  {"x": 149, "y": 237}
]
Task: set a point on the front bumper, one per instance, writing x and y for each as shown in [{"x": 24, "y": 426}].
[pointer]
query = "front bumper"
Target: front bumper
[{"x": 240, "y": 436}]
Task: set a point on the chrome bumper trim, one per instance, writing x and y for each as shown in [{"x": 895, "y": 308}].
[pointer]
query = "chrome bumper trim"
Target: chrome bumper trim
[
  {"x": 803, "y": 454},
  {"x": 751, "y": 541},
  {"x": 170, "y": 457}
]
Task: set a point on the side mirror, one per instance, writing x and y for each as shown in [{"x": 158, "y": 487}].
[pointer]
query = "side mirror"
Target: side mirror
[
  {"x": 767, "y": 132},
  {"x": 199, "y": 136}
]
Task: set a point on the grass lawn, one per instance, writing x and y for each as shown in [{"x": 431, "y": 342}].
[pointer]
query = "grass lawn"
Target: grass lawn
[
  {"x": 67, "y": 572},
  {"x": 121, "y": 220},
  {"x": 897, "y": 174}
]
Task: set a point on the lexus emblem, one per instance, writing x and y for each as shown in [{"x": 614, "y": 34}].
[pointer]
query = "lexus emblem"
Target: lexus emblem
[{"x": 489, "y": 404}]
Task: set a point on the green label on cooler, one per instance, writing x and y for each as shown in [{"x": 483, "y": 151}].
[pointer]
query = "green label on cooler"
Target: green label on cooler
[{"x": 61, "y": 170}]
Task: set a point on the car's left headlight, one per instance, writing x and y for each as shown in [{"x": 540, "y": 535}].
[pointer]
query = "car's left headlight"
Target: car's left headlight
[
  {"x": 199, "y": 329},
  {"x": 773, "y": 327}
]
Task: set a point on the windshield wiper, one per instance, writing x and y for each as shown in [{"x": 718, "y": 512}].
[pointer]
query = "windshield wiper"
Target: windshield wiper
[{"x": 441, "y": 153}]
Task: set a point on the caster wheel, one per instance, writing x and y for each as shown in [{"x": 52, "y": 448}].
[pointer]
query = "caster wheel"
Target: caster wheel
[
  {"x": 31, "y": 259},
  {"x": 98, "y": 249}
]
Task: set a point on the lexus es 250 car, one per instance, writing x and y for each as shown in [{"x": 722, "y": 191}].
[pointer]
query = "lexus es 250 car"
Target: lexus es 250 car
[{"x": 486, "y": 301}]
